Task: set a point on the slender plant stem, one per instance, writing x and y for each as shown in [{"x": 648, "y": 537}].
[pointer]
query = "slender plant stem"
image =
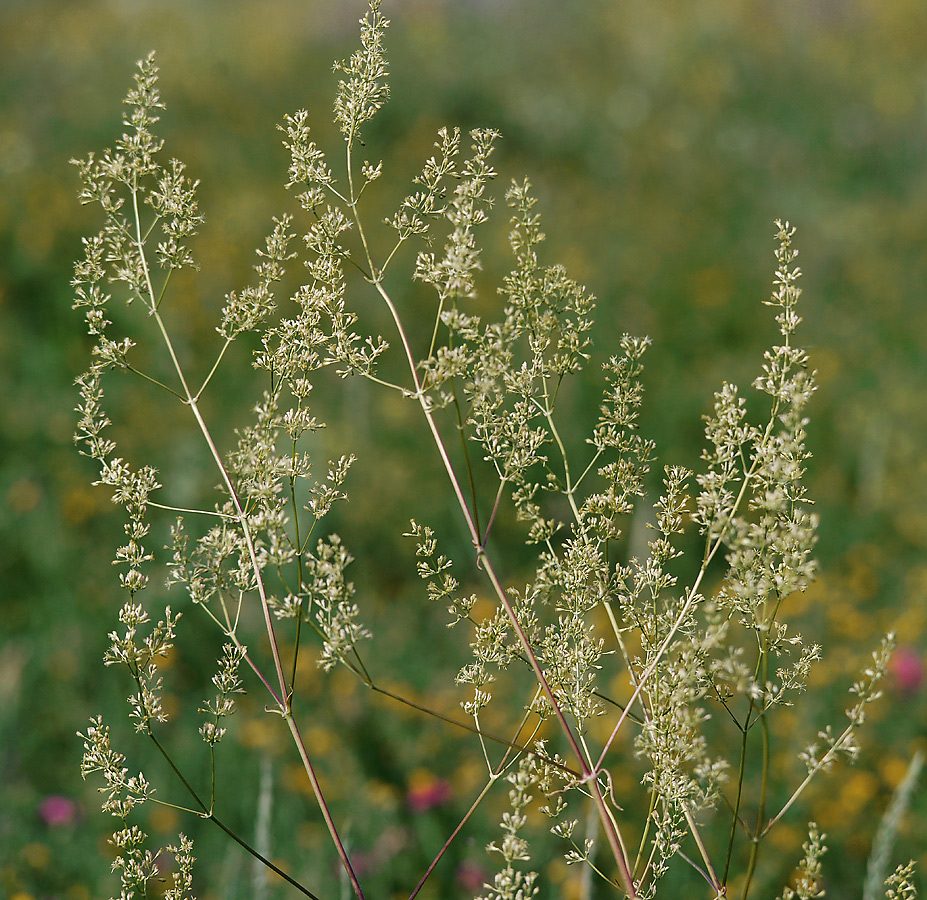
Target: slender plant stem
[
  {"x": 198, "y": 512},
  {"x": 470, "y": 478},
  {"x": 761, "y": 812},
  {"x": 484, "y": 560},
  {"x": 299, "y": 580},
  {"x": 570, "y": 487},
  {"x": 276, "y": 869},
  {"x": 826, "y": 760},
  {"x": 495, "y": 509},
  {"x": 494, "y": 775},
  {"x": 479, "y": 799},
  {"x": 281, "y": 699},
  {"x": 323, "y": 805},
  {"x": 711, "y": 877},
  {"x": 735, "y": 811},
  {"x": 513, "y": 745},
  {"x": 215, "y": 366},
  {"x": 209, "y": 814},
  {"x": 153, "y": 381}
]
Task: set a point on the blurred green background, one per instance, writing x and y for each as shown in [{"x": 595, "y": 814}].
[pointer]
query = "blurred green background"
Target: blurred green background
[{"x": 663, "y": 140}]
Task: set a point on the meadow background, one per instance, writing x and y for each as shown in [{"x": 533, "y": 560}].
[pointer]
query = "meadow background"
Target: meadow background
[{"x": 663, "y": 139}]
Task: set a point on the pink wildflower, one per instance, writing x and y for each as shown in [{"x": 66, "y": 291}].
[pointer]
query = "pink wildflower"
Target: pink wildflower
[
  {"x": 426, "y": 792},
  {"x": 907, "y": 668},
  {"x": 57, "y": 810}
]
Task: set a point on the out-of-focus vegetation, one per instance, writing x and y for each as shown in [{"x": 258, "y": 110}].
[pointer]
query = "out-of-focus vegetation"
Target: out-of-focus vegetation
[{"x": 663, "y": 139}]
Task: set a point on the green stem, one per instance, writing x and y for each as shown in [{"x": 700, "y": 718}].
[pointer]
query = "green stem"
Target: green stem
[
  {"x": 740, "y": 786},
  {"x": 154, "y": 381},
  {"x": 299, "y": 578},
  {"x": 199, "y": 512},
  {"x": 761, "y": 813},
  {"x": 210, "y": 816},
  {"x": 570, "y": 487},
  {"x": 466, "y": 456},
  {"x": 215, "y": 366},
  {"x": 640, "y": 849},
  {"x": 711, "y": 877},
  {"x": 495, "y": 509}
]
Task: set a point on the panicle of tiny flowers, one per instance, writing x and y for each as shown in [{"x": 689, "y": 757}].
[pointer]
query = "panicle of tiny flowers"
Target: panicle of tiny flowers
[
  {"x": 435, "y": 570},
  {"x": 132, "y": 173},
  {"x": 785, "y": 377},
  {"x": 332, "y": 596},
  {"x": 752, "y": 500},
  {"x": 518, "y": 365},
  {"x": 227, "y": 683},
  {"x": 137, "y": 866},
  {"x": 495, "y": 645},
  {"x": 570, "y": 654},
  {"x": 139, "y": 145},
  {"x": 206, "y": 571},
  {"x": 121, "y": 182},
  {"x": 266, "y": 477},
  {"x": 808, "y": 882},
  {"x": 174, "y": 205},
  {"x": 867, "y": 690},
  {"x": 453, "y": 276},
  {"x": 298, "y": 346},
  {"x": 256, "y": 463},
  {"x": 124, "y": 182},
  {"x": 353, "y": 355},
  {"x": 364, "y": 90},
  {"x": 329, "y": 492},
  {"x": 123, "y": 792},
  {"x": 132, "y": 490},
  {"x": 141, "y": 659},
  {"x": 416, "y": 210},
  {"x": 900, "y": 884},
  {"x": 642, "y": 585},
  {"x": 569, "y": 650},
  {"x": 89, "y": 273},
  {"x": 308, "y": 167},
  {"x": 182, "y": 879},
  {"x": 546, "y": 306},
  {"x": 721, "y": 483},
  {"x": 247, "y": 310},
  {"x": 551, "y": 780},
  {"x": 616, "y": 435},
  {"x": 93, "y": 420},
  {"x": 512, "y": 882}
]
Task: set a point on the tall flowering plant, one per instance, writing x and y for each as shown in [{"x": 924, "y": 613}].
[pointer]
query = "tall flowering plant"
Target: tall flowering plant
[{"x": 489, "y": 391}]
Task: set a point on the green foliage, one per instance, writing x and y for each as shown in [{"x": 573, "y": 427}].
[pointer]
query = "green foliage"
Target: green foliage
[{"x": 603, "y": 637}]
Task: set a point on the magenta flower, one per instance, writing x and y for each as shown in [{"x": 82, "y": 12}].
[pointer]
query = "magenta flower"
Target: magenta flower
[
  {"x": 907, "y": 668},
  {"x": 57, "y": 810},
  {"x": 428, "y": 794}
]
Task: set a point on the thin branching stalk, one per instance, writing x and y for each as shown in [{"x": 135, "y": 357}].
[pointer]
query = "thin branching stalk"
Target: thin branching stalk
[{"x": 497, "y": 382}]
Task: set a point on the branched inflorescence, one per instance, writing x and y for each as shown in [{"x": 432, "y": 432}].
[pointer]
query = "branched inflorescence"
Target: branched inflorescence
[{"x": 612, "y": 641}]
